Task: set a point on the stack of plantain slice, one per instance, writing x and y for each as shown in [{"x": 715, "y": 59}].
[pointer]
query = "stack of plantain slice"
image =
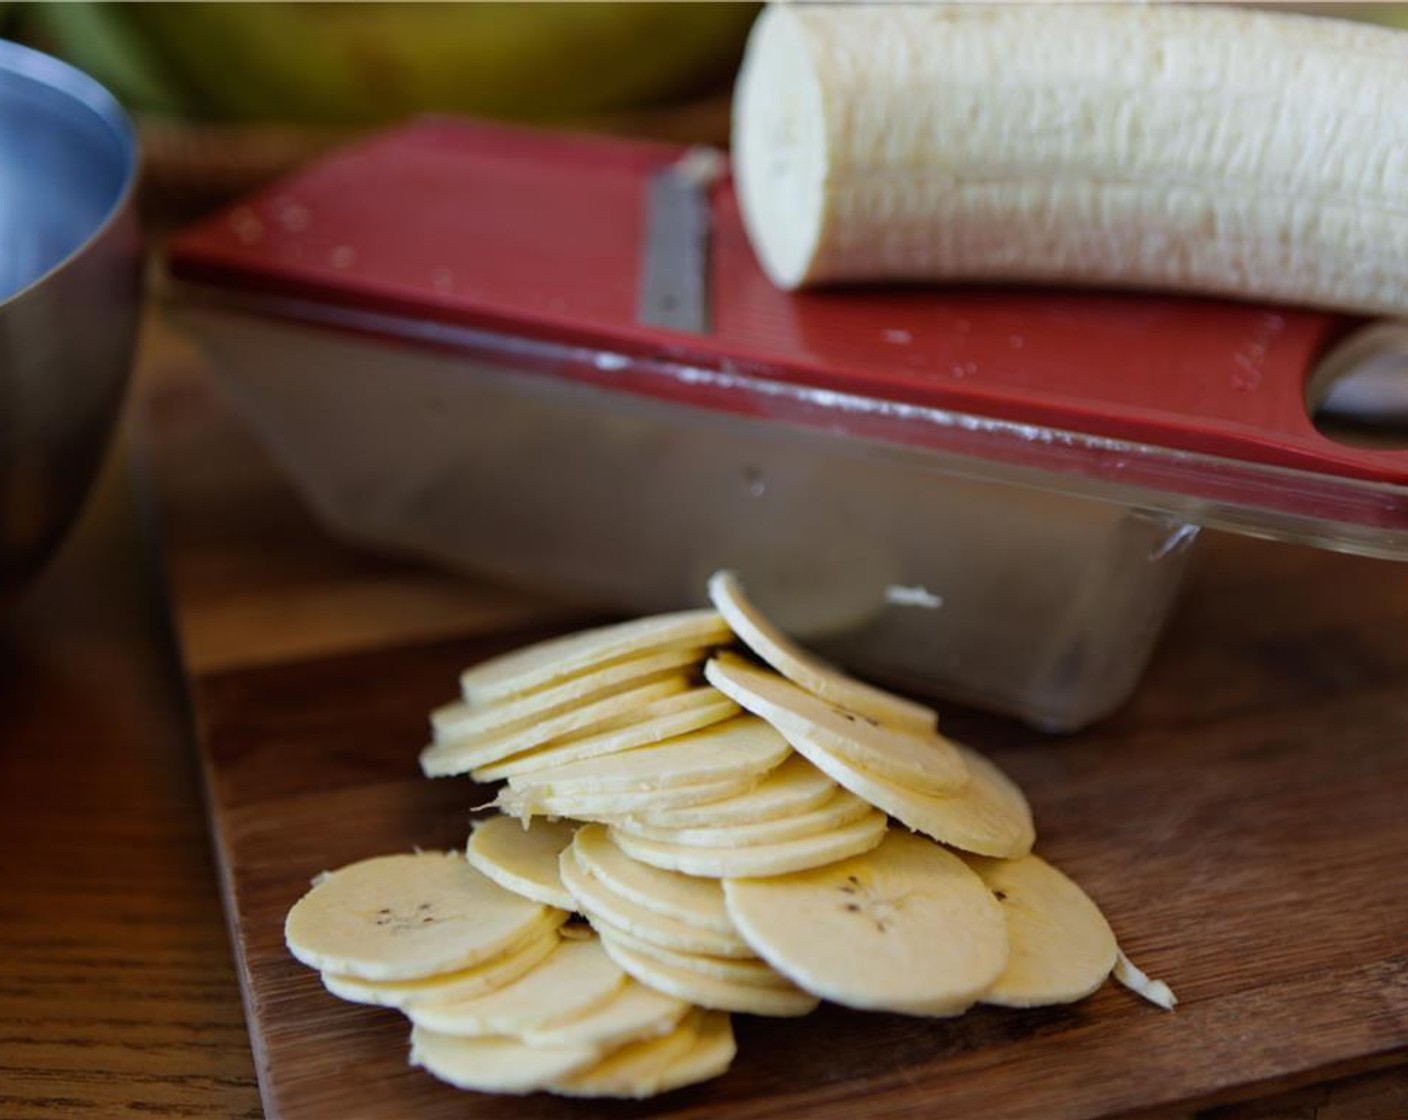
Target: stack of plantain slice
[{"x": 741, "y": 834}]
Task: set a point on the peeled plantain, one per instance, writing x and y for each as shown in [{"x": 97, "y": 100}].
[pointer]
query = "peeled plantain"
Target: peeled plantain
[{"x": 1201, "y": 148}]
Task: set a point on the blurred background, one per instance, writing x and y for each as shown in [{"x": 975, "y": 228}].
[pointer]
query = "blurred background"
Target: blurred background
[{"x": 228, "y": 95}]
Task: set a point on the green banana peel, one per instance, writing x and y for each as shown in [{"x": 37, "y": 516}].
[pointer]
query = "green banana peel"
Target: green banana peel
[
  {"x": 339, "y": 63},
  {"x": 100, "y": 40},
  {"x": 1390, "y": 15}
]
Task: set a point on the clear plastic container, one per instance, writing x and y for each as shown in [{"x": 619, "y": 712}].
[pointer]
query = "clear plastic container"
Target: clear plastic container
[{"x": 985, "y": 496}]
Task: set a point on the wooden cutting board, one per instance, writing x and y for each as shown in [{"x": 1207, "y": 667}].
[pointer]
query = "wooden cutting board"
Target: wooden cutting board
[{"x": 1244, "y": 822}]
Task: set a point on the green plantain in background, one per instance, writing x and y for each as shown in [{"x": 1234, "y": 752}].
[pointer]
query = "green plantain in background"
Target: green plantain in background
[{"x": 342, "y": 63}]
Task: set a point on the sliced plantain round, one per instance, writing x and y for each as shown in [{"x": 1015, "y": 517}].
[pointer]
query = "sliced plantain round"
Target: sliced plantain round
[
  {"x": 496, "y": 1063},
  {"x": 597, "y": 900},
  {"x": 989, "y": 816},
  {"x": 607, "y": 807},
  {"x": 807, "y": 671},
  {"x": 463, "y": 718},
  {"x": 684, "y": 898},
  {"x": 906, "y": 927},
  {"x": 487, "y": 976},
  {"x": 923, "y": 761},
  {"x": 404, "y": 917},
  {"x": 736, "y": 970},
  {"x": 700, "y": 1047},
  {"x": 744, "y": 746},
  {"x": 651, "y": 721},
  {"x": 634, "y": 1012},
  {"x": 460, "y": 754},
  {"x": 707, "y": 991},
  {"x": 780, "y": 857},
  {"x": 522, "y": 858},
  {"x": 1061, "y": 946},
  {"x": 794, "y": 787},
  {"x": 576, "y": 978},
  {"x": 840, "y": 810},
  {"x": 558, "y": 659}
]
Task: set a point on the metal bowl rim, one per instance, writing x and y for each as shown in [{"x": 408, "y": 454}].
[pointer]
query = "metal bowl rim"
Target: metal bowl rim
[{"x": 46, "y": 70}]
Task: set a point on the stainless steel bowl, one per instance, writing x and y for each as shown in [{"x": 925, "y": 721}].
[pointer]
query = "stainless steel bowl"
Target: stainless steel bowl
[{"x": 70, "y": 295}]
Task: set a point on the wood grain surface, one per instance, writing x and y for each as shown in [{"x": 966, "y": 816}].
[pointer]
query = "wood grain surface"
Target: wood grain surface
[
  {"x": 118, "y": 993},
  {"x": 1244, "y": 823}
]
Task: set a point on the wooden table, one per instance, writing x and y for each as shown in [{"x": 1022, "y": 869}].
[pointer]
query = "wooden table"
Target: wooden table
[{"x": 118, "y": 994}]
